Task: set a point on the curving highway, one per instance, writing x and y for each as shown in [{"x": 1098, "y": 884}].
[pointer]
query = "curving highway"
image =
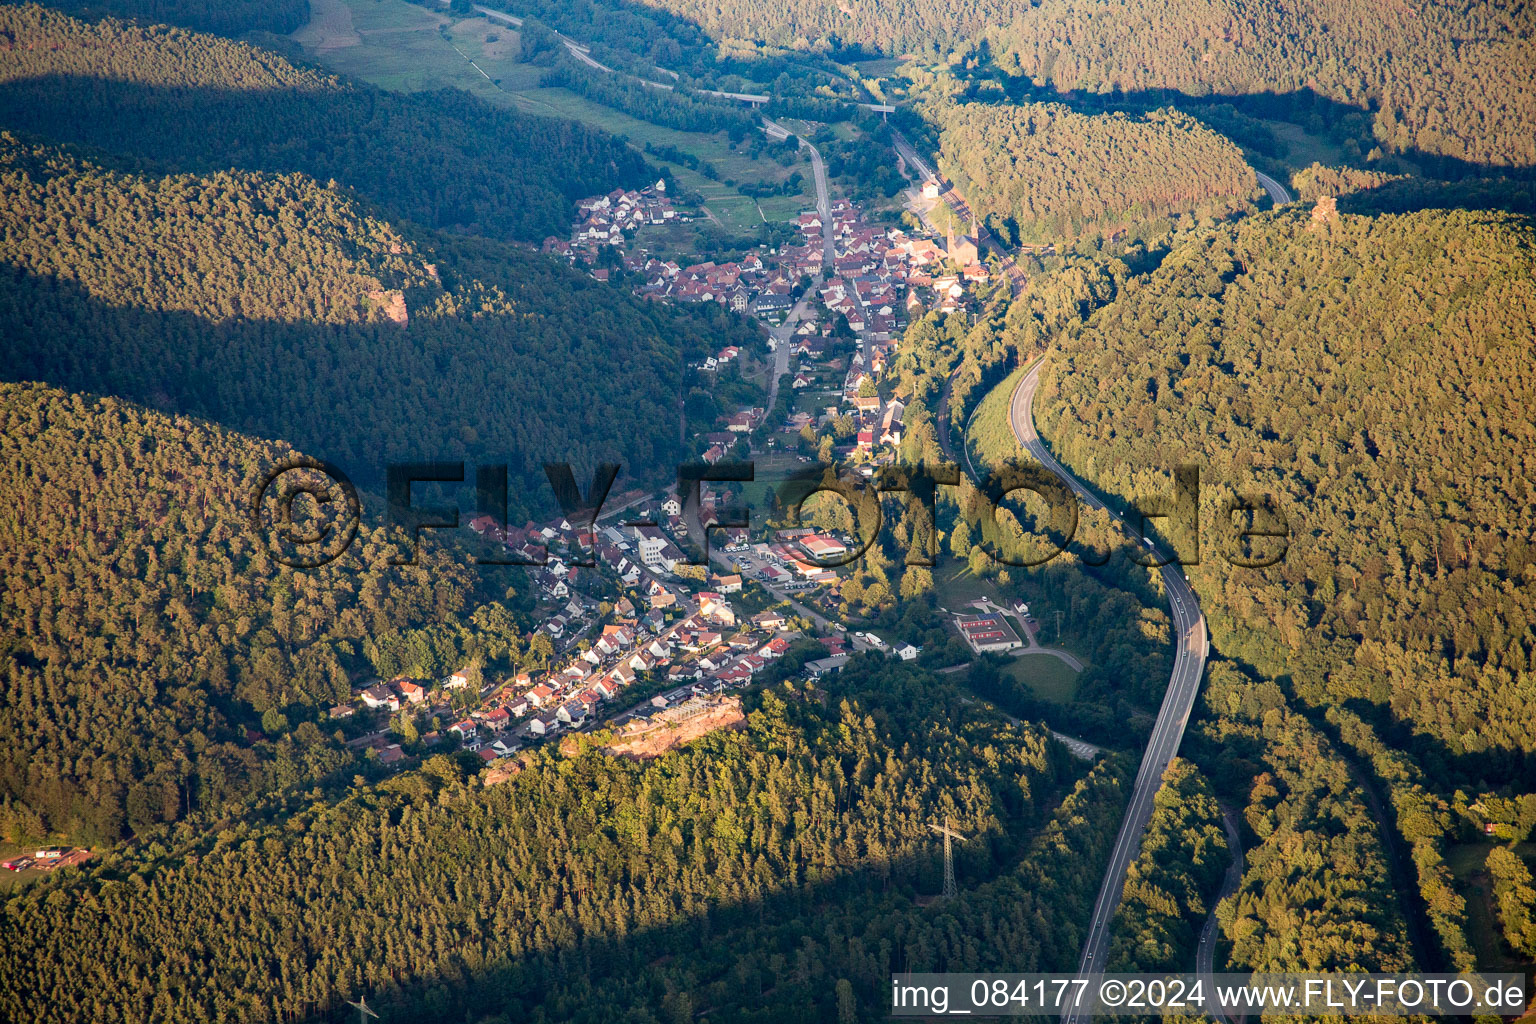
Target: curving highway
[
  {"x": 1190, "y": 627},
  {"x": 1167, "y": 732},
  {"x": 1277, "y": 192}
]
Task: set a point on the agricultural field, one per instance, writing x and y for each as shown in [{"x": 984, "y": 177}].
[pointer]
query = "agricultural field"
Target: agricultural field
[{"x": 400, "y": 46}]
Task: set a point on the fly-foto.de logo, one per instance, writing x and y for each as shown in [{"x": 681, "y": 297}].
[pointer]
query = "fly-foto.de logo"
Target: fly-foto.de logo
[{"x": 308, "y": 512}]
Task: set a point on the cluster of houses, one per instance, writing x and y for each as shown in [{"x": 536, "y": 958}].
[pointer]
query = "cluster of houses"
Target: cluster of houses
[
  {"x": 758, "y": 284},
  {"x": 881, "y": 275},
  {"x": 763, "y": 288},
  {"x": 707, "y": 651},
  {"x": 795, "y": 556},
  {"x": 878, "y": 276},
  {"x": 605, "y": 220},
  {"x": 403, "y": 694}
]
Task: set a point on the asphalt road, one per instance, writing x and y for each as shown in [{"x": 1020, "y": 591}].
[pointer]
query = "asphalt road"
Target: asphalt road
[
  {"x": 1167, "y": 732},
  {"x": 823, "y": 197},
  {"x": 1205, "y": 955},
  {"x": 828, "y": 231},
  {"x": 786, "y": 331},
  {"x": 1277, "y": 192},
  {"x": 784, "y": 340}
]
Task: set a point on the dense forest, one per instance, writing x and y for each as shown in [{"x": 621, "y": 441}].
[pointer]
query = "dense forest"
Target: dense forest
[
  {"x": 440, "y": 159},
  {"x": 283, "y": 309},
  {"x": 1040, "y": 172},
  {"x": 226, "y": 17},
  {"x": 1169, "y": 888},
  {"x": 1444, "y": 79},
  {"x": 1317, "y": 181},
  {"x": 776, "y": 871},
  {"x": 1450, "y": 80},
  {"x": 1318, "y": 892},
  {"x": 1303, "y": 356},
  {"x": 145, "y": 626}
]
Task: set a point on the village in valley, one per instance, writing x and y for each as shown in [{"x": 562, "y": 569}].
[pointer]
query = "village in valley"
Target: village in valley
[
  {"x": 836, "y": 300},
  {"x": 637, "y": 641},
  {"x": 639, "y": 634}
]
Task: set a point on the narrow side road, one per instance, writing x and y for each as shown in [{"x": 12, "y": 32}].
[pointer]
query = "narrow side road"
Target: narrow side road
[
  {"x": 785, "y": 333},
  {"x": 1205, "y": 954}
]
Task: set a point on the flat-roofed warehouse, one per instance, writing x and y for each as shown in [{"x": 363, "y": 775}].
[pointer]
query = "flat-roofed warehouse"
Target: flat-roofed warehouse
[{"x": 988, "y": 633}]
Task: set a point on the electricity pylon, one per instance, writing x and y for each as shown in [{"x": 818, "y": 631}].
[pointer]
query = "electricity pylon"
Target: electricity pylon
[
  {"x": 950, "y": 889},
  {"x": 363, "y": 1012}
]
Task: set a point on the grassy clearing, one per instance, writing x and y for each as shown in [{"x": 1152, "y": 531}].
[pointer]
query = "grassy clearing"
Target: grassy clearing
[
  {"x": 813, "y": 401},
  {"x": 1048, "y": 676},
  {"x": 1466, "y": 863},
  {"x": 880, "y": 67},
  {"x": 785, "y": 208},
  {"x": 671, "y": 241},
  {"x": 330, "y": 27},
  {"x": 989, "y": 435},
  {"x": 1306, "y": 148},
  {"x": 956, "y": 586},
  {"x": 767, "y": 479},
  {"x": 400, "y": 46},
  {"x": 737, "y": 213}
]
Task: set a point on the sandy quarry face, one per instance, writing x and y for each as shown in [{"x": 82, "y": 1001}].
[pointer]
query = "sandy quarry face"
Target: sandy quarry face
[{"x": 657, "y": 741}]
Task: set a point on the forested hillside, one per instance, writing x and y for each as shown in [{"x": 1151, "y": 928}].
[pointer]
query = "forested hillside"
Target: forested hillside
[
  {"x": 1171, "y": 885},
  {"x": 1449, "y": 79},
  {"x": 764, "y": 874},
  {"x": 441, "y": 159},
  {"x": 144, "y": 626},
  {"x": 283, "y": 309},
  {"x": 1375, "y": 375},
  {"x": 227, "y": 17},
  {"x": 1041, "y": 172},
  {"x": 1318, "y": 891}
]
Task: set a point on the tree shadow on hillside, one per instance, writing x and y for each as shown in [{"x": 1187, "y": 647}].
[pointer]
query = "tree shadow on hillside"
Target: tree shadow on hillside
[
  {"x": 1239, "y": 115},
  {"x": 363, "y": 395},
  {"x": 783, "y": 954},
  {"x": 441, "y": 159}
]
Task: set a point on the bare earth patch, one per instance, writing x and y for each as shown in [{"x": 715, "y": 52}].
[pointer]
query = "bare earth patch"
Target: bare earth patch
[{"x": 647, "y": 742}]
